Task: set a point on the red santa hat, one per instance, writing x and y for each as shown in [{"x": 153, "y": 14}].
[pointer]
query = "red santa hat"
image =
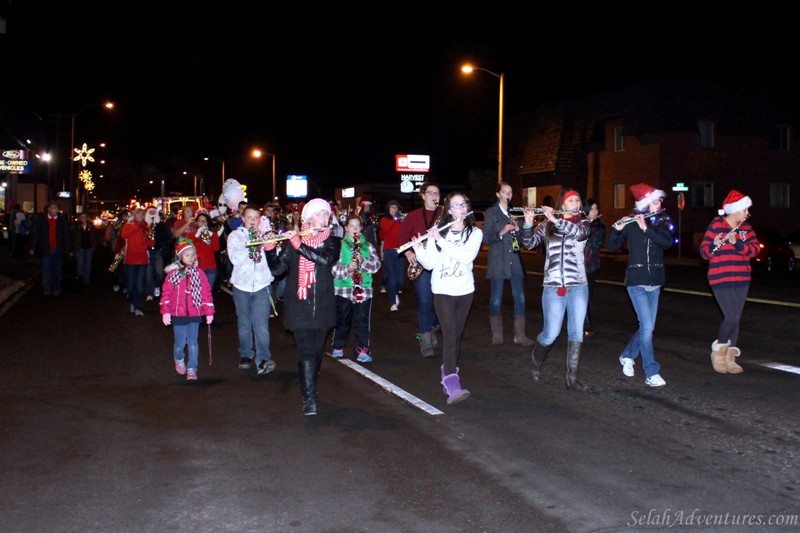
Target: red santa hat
[
  {"x": 644, "y": 194},
  {"x": 365, "y": 201},
  {"x": 183, "y": 245},
  {"x": 735, "y": 201}
]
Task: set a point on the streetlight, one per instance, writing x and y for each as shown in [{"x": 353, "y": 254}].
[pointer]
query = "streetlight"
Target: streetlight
[
  {"x": 468, "y": 69},
  {"x": 257, "y": 154},
  {"x": 72, "y": 150},
  {"x": 223, "y": 171}
]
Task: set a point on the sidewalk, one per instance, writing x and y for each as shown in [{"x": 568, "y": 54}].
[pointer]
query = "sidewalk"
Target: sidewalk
[{"x": 15, "y": 275}]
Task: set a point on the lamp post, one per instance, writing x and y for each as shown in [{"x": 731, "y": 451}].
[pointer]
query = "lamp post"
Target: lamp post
[
  {"x": 257, "y": 154},
  {"x": 107, "y": 105},
  {"x": 223, "y": 172},
  {"x": 468, "y": 69}
]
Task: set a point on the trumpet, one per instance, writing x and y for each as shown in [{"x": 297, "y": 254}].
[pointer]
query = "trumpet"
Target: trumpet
[
  {"x": 408, "y": 245},
  {"x": 283, "y": 237},
  {"x": 632, "y": 218}
]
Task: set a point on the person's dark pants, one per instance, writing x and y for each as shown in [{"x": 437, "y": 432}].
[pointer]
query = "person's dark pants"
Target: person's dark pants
[
  {"x": 355, "y": 315},
  {"x": 52, "y": 265},
  {"x": 310, "y": 344},
  {"x": 134, "y": 280},
  {"x": 731, "y": 303},
  {"x": 454, "y": 311},
  {"x": 426, "y": 316}
]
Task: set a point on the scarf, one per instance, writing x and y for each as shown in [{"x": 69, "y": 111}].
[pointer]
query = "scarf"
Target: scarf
[
  {"x": 306, "y": 273},
  {"x": 194, "y": 283}
]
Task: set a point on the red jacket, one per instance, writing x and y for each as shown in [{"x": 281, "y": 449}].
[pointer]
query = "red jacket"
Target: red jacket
[
  {"x": 205, "y": 252},
  {"x": 135, "y": 235},
  {"x": 177, "y": 299}
]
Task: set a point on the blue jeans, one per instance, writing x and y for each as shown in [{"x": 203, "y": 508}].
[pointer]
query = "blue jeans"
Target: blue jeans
[
  {"x": 553, "y": 309},
  {"x": 83, "y": 258},
  {"x": 645, "y": 303},
  {"x": 211, "y": 274},
  {"x": 134, "y": 280},
  {"x": 155, "y": 272},
  {"x": 426, "y": 316},
  {"x": 395, "y": 272},
  {"x": 517, "y": 292},
  {"x": 186, "y": 335},
  {"x": 252, "y": 318},
  {"x": 52, "y": 263}
]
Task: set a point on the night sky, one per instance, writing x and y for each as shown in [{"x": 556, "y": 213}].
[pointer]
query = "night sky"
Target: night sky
[{"x": 335, "y": 92}]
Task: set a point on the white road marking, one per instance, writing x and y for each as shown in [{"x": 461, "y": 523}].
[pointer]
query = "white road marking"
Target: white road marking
[
  {"x": 781, "y": 366},
  {"x": 389, "y": 386}
]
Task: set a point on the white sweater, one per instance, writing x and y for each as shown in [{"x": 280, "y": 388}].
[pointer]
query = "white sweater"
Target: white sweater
[{"x": 451, "y": 268}]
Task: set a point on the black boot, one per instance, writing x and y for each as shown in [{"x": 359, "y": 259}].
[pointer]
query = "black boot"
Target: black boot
[
  {"x": 573, "y": 361},
  {"x": 538, "y": 355},
  {"x": 307, "y": 371}
]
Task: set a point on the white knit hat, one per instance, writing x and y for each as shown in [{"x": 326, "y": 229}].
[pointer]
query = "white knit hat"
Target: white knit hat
[{"x": 315, "y": 206}]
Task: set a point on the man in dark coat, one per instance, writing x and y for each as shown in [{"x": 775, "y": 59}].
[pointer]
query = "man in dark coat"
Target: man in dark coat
[{"x": 51, "y": 241}]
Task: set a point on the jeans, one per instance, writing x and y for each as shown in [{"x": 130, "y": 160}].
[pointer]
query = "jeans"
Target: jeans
[
  {"x": 211, "y": 274},
  {"x": 553, "y": 309},
  {"x": 83, "y": 259},
  {"x": 52, "y": 264},
  {"x": 426, "y": 316},
  {"x": 394, "y": 273},
  {"x": 517, "y": 292},
  {"x": 252, "y": 318},
  {"x": 186, "y": 335},
  {"x": 134, "y": 280},
  {"x": 154, "y": 278},
  {"x": 645, "y": 303}
]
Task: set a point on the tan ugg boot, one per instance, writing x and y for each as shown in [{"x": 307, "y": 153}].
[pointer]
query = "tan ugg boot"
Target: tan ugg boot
[
  {"x": 497, "y": 328},
  {"x": 719, "y": 357},
  {"x": 519, "y": 332},
  {"x": 730, "y": 360}
]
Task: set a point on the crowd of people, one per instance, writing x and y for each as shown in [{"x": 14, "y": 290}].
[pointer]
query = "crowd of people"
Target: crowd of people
[{"x": 327, "y": 266}]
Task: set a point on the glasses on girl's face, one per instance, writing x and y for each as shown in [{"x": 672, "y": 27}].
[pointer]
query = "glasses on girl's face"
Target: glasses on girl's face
[{"x": 459, "y": 205}]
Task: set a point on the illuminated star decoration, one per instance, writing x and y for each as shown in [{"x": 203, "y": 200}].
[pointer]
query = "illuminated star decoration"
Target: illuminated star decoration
[
  {"x": 86, "y": 177},
  {"x": 84, "y": 154}
]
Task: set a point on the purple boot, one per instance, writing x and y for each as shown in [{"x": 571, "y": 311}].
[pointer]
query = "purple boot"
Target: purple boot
[{"x": 452, "y": 387}]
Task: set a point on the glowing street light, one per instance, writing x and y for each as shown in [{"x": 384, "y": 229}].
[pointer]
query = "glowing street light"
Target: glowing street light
[
  {"x": 468, "y": 69},
  {"x": 257, "y": 154}
]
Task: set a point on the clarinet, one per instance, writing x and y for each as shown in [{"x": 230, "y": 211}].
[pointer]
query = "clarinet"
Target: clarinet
[
  {"x": 728, "y": 236},
  {"x": 358, "y": 290}
]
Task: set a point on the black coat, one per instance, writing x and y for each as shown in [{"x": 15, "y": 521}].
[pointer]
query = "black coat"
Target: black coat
[
  {"x": 41, "y": 235},
  {"x": 645, "y": 249},
  {"x": 318, "y": 310}
]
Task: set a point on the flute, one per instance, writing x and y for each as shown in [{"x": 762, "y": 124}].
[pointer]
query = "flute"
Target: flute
[
  {"x": 284, "y": 237},
  {"x": 539, "y": 212},
  {"x": 728, "y": 236},
  {"x": 408, "y": 245},
  {"x": 632, "y": 218}
]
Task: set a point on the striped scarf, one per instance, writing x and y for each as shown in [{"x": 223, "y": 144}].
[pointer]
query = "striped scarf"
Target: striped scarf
[
  {"x": 306, "y": 273},
  {"x": 194, "y": 285}
]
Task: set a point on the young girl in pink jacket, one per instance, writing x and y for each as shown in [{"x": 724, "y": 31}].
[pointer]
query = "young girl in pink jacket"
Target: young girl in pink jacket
[{"x": 185, "y": 300}]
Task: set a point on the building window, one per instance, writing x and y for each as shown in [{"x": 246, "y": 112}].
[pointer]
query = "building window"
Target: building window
[
  {"x": 619, "y": 140},
  {"x": 706, "y": 128},
  {"x": 779, "y": 196},
  {"x": 619, "y": 196},
  {"x": 783, "y": 136},
  {"x": 703, "y": 194}
]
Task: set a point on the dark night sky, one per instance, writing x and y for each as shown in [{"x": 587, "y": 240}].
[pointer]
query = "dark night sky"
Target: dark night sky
[{"x": 335, "y": 92}]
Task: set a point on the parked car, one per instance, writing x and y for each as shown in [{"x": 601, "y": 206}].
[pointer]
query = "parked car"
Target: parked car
[
  {"x": 776, "y": 254},
  {"x": 794, "y": 243}
]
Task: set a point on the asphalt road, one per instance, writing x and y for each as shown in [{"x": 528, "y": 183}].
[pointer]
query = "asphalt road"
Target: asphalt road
[{"x": 100, "y": 434}]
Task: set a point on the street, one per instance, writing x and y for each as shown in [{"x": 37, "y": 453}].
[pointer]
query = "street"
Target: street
[{"x": 101, "y": 434}]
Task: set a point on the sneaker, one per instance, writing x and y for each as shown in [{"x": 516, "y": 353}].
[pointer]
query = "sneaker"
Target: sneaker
[
  {"x": 383, "y": 290},
  {"x": 245, "y": 362},
  {"x": 393, "y": 307},
  {"x": 364, "y": 356},
  {"x": 337, "y": 354},
  {"x": 180, "y": 366},
  {"x": 191, "y": 374},
  {"x": 627, "y": 366},
  {"x": 139, "y": 312},
  {"x": 265, "y": 367},
  {"x": 157, "y": 292},
  {"x": 116, "y": 288},
  {"x": 655, "y": 381},
  {"x": 133, "y": 309},
  {"x": 148, "y": 299},
  {"x": 397, "y": 300}
]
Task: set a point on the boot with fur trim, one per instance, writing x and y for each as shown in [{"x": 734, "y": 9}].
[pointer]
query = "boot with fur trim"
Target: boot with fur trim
[
  {"x": 730, "y": 360},
  {"x": 718, "y": 356},
  {"x": 452, "y": 387}
]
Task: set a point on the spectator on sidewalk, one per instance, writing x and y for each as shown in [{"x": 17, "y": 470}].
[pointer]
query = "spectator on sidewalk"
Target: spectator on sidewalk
[{"x": 51, "y": 242}]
